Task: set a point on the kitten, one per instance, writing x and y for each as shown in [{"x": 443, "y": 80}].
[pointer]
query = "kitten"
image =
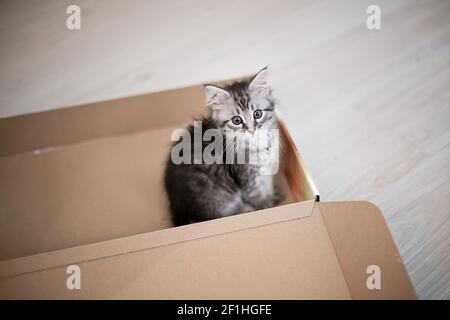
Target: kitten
[{"x": 241, "y": 113}]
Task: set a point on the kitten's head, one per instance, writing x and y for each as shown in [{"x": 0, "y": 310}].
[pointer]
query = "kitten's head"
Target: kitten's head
[{"x": 245, "y": 106}]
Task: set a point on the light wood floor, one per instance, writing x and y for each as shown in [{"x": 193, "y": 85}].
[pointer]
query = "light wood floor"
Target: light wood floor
[{"x": 369, "y": 110}]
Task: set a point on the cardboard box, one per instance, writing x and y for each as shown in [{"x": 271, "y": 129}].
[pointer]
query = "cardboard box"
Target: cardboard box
[{"x": 83, "y": 186}]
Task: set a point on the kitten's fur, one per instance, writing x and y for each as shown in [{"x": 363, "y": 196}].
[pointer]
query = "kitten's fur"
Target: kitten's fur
[{"x": 199, "y": 192}]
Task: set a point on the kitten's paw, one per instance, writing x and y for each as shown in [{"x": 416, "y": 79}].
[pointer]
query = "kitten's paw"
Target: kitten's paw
[
  {"x": 276, "y": 198},
  {"x": 278, "y": 195},
  {"x": 246, "y": 208}
]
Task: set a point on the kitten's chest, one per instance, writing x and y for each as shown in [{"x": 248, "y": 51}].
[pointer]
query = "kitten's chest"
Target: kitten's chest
[{"x": 254, "y": 184}]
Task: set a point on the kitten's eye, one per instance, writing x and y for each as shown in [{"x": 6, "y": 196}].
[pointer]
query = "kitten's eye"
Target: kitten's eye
[
  {"x": 236, "y": 120},
  {"x": 257, "y": 114}
]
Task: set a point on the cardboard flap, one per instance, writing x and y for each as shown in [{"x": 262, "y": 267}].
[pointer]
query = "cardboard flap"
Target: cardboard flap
[
  {"x": 271, "y": 254},
  {"x": 361, "y": 238},
  {"x": 42, "y": 130},
  {"x": 155, "y": 239}
]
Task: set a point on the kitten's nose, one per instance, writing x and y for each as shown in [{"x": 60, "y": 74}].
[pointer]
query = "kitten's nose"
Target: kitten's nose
[{"x": 251, "y": 130}]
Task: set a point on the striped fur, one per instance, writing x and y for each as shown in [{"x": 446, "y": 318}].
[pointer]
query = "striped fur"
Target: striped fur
[{"x": 199, "y": 192}]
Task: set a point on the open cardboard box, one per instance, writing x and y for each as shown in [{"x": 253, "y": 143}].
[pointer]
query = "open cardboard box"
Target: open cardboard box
[{"x": 83, "y": 185}]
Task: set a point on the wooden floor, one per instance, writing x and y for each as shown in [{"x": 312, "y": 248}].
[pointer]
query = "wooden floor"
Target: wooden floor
[{"x": 369, "y": 110}]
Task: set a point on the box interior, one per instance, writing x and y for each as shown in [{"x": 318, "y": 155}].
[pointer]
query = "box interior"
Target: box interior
[{"x": 91, "y": 173}]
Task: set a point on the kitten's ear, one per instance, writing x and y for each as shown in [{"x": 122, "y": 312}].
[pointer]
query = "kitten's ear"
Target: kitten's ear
[
  {"x": 259, "y": 84},
  {"x": 215, "y": 95}
]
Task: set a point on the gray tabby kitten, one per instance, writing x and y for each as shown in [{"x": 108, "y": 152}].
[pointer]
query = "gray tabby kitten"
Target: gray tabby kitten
[{"x": 199, "y": 192}]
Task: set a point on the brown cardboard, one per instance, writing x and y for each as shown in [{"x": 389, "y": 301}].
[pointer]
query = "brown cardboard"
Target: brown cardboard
[
  {"x": 237, "y": 261},
  {"x": 85, "y": 170},
  {"x": 360, "y": 237},
  {"x": 82, "y": 185}
]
